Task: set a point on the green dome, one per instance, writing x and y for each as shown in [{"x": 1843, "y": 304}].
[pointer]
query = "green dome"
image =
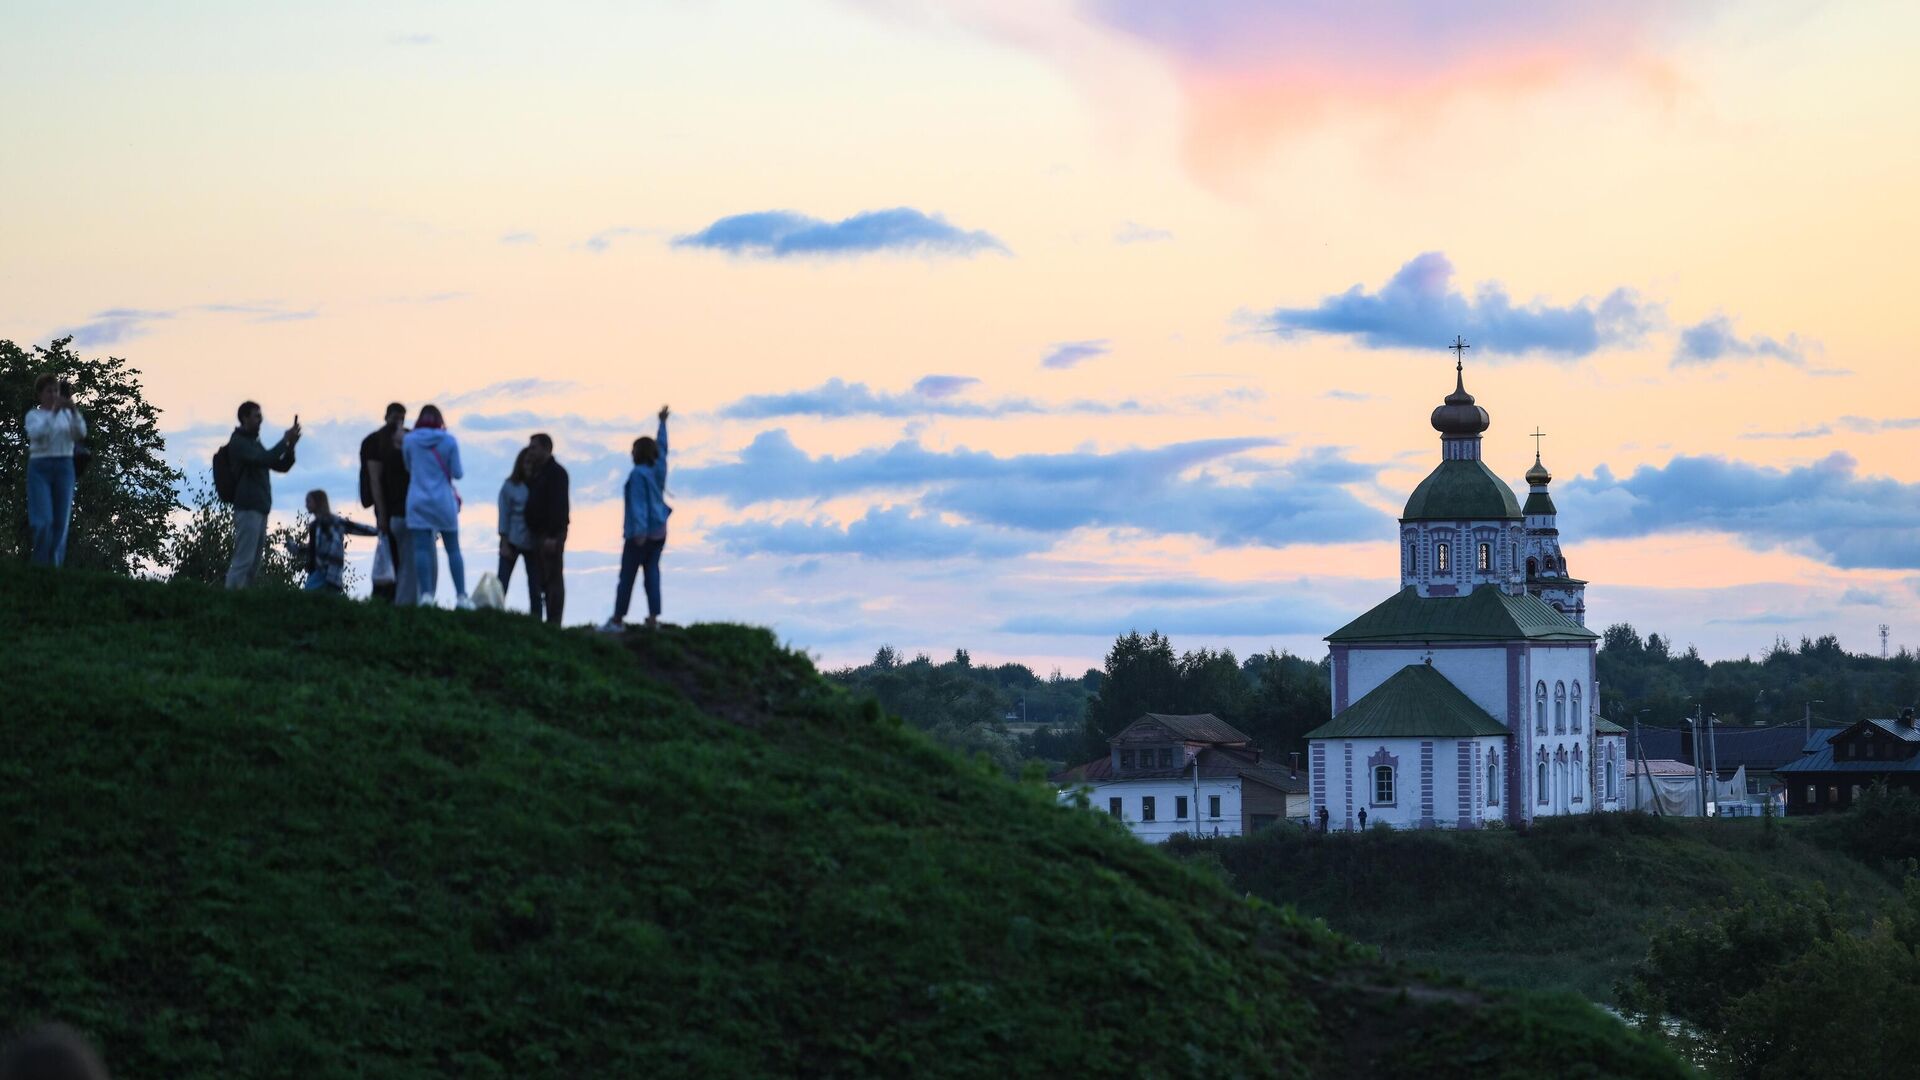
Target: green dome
[{"x": 1459, "y": 489}]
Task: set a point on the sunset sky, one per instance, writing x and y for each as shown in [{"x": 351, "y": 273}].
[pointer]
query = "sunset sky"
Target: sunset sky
[{"x": 1014, "y": 324}]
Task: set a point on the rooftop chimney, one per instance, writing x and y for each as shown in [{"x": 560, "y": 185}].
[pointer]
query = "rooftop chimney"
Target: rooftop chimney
[{"x": 1906, "y": 717}]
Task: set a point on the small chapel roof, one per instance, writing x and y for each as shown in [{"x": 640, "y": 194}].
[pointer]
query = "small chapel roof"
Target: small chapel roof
[
  {"x": 1485, "y": 614},
  {"x": 1415, "y": 702},
  {"x": 1461, "y": 489},
  {"x": 1604, "y": 726}
]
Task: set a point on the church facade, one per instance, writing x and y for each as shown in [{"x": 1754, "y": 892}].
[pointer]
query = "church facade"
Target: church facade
[{"x": 1469, "y": 696}]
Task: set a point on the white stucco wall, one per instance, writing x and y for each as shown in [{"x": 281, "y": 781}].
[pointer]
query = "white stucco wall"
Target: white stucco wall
[
  {"x": 1557, "y": 666},
  {"x": 1479, "y": 671},
  {"x": 1164, "y": 793},
  {"x": 1430, "y": 778}
]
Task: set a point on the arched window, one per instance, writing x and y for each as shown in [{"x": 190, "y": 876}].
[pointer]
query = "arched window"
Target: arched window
[
  {"x": 1576, "y": 706},
  {"x": 1440, "y": 559},
  {"x": 1493, "y": 780},
  {"x": 1549, "y": 562},
  {"x": 1383, "y": 785},
  {"x": 1560, "y": 708},
  {"x": 1579, "y": 775},
  {"x": 1540, "y": 779},
  {"x": 1613, "y": 784},
  {"x": 1540, "y": 709},
  {"x": 1413, "y": 558},
  {"x": 1486, "y": 556},
  {"x": 1533, "y": 568}
]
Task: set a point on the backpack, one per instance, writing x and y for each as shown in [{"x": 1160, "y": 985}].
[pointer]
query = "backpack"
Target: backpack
[{"x": 226, "y": 477}]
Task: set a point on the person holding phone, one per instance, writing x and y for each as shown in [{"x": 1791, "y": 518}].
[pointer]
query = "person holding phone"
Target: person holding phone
[
  {"x": 254, "y": 463},
  {"x": 54, "y": 427}
]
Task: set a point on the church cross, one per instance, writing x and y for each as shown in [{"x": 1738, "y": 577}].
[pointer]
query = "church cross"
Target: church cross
[
  {"x": 1459, "y": 348},
  {"x": 1536, "y": 437}
]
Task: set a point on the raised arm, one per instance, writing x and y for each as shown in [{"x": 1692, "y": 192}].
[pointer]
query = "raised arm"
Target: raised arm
[
  {"x": 660, "y": 463},
  {"x": 358, "y": 529}
]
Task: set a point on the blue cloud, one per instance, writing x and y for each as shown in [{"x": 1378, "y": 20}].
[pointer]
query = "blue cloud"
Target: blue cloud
[
  {"x": 1860, "y": 424},
  {"x": 1132, "y": 232},
  {"x": 602, "y": 240},
  {"x": 778, "y": 234},
  {"x": 1714, "y": 339},
  {"x": 113, "y": 326},
  {"x": 1420, "y": 309},
  {"x": 1161, "y": 490},
  {"x": 1066, "y": 354},
  {"x": 1347, "y": 395},
  {"x": 931, "y": 396},
  {"x": 1823, "y": 510},
  {"x": 887, "y": 533},
  {"x": 508, "y": 388},
  {"x": 519, "y": 238},
  {"x": 1254, "y": 617}
]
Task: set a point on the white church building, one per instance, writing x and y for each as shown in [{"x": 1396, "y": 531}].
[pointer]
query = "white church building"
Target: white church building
[{"x": 1469, "y": 696}]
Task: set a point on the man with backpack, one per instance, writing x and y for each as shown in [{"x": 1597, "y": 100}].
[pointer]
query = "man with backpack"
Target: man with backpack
[
  {"x": 241, "y": 476},
  {"x": 383, "y": 488},
  {"x": 549, "y": 511}
]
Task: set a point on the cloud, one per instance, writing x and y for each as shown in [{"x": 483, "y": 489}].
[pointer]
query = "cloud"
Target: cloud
[
  {"x": 519, "y": 238},
  {"x": 1190, "y": 488},
  {"x": 1347, "y": 395},
  {"x": 1261, "y": 618},
  {"x": 1823, "y": 510},
  {"x": 412, "y": 39},
  {"x": 1858, "y": 424},
  {"x": 112, "y": 326},
  {"x": 1132, "y": 232},
  {"x": 523, "y": 421},
  {"x": 1419, "y": 308},
  {"x": 779, "y": 234},
  {"x": 939, "y": 386},
  {"x": 1863, "y": 598},
  {"x": 886, "y": 533},
  {"x": 602, "y": 240},
  {"x": 837, "y": 398},
  {"x": 1066, "y": 354},
  {"x": 1713, "y": 340},
  {"x": 509, "y": 388}
]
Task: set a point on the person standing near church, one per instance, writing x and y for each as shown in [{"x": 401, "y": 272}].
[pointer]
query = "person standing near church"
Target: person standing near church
[
  {"x": 549, "y": 510},
  {"x": 383, "y": 489},
  {"x": 54, "y": 427},
  {"x": 433, "y": 503},
  {"x": 254, "y": 464},
  {"x": 645, "y": 533}
]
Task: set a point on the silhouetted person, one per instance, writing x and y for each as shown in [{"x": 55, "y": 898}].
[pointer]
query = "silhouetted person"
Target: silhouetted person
[
  {"x": 50, "y": 1052},
  {"x": 1363, "y": 817},
  {"x": 324, "y": 552},
  {"x": 645, "y": 533},
  {"x": 54, "y": 427},
  {"x": 383, "y": 488},
  {"x": 433, "y": 503},
  {"x": 253, "y": 465},
  {"x": 549, "y": 511},
  {"x": 516, "y": 542},
  {"x": 1325, "y": 819}
]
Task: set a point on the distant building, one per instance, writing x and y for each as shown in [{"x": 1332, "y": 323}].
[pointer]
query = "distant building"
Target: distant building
[
  {"x": 1840, "y": 764},
  {"x": 1469, "y": 696},
  {"x": 1759, "y": 750},
  {"x": 1165, "y": 774}
]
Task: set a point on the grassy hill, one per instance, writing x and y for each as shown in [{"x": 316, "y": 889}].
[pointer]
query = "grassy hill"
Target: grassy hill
[
  {"x": 1565, "y": 906},
  {"x": 285, "y": 835}
]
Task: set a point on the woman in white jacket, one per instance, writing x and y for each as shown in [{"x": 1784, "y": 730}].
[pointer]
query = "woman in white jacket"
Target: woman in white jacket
[
  {"x": 53, "y": 427},
  {"x": 433, "y": 502}
]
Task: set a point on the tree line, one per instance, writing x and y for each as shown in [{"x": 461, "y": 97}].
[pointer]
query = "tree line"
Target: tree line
[{"x": 1778, "y": 688}]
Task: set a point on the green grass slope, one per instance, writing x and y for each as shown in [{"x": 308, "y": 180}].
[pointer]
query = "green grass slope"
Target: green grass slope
[
  {"x": 1565, "y": 906},
  {"x": 285, "y": 835}
]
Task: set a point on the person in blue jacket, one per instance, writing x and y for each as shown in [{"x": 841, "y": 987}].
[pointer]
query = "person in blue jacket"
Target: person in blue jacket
[
  {"x": 433, "y": 503},
  {"x": 646, "y": 527}
]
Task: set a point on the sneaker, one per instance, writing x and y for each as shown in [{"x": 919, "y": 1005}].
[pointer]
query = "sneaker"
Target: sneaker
[
  {"x": 463, "y": 604},
  {"x": 612, "y": 626},
  {"x": 426, "y": 598}
]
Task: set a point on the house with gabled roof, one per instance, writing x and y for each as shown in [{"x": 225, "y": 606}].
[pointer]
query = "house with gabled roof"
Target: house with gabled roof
[
  {"x": 1469, "y": 696},
  {"x": 1840, "y": 764},
  {"x": 1166, "y": 774}
]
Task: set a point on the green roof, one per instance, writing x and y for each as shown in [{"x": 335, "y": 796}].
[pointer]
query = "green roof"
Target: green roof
[
  {"x": 1485, "y": 614},
  {"x": 1415, "y": 702},
  {"x": 1539, "y": 502},
  {"x": 1604, "y": 726},
  {"x": 1461, "y": 488}
]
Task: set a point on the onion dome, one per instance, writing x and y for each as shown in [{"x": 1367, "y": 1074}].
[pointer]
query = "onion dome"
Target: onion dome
[
  {"x": 1460, "y": 416},
  {"x": 1538, "y": 476}
]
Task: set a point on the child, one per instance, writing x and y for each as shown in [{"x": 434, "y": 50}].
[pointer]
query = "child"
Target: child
[{"x": 325, "y": 549}]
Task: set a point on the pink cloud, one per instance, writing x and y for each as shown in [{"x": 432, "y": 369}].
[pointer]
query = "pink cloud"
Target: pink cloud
[{"x": 1251, "y": 70}]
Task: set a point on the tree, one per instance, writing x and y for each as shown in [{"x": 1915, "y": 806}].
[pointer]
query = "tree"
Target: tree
[
  {"x": 1141, "y": 676},
  {"x": 202, "y": 547},
  {"x": 122, "y": 507}
]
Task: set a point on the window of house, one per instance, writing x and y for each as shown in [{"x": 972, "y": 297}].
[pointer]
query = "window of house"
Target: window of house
[
  {"x": 1576, "y": 706},
  {"x": 1560, "y": 708},
  {"x": 1540, "y": 708},
  {"x": 1833, "y": 793},
  {"x": 1440, "y": 559},
  {"x": 1146, "y": 808},
  {"x": 1113, "y": 807},
  {"x": 1180, "y": 808},
  {"x": 1486, "y": 556},
  {"x": 1613, "y": 782},
  {"x": 1213, "y": 806},
  {"x": 1813, "y": 793},
  {"x": 1126, "y": 759},
  {"x": 1540, "y": 782},
  {"x": 1166, "y": 757},
  {"x": 1383, "y": 785},
  {"x": 1493, "y": 783}
]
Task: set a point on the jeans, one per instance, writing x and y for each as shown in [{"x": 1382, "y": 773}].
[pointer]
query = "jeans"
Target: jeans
[
  {"x": 50, "y": 507},
  {"x": 406, "y": 576},
  {"x": 317, "y": 582},
  {"x": 426, "y": 561},
  {"x": 509, "y": 555},
  {"x": 249, "y": 542},
  {"x": 639, "y": 555},
  {"x": 553, "y": 575}
]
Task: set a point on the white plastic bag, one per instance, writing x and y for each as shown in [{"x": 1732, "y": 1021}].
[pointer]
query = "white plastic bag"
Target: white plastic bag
[
  {"x": 489, "y": 593},
  {"x": 383, "y": 562}
]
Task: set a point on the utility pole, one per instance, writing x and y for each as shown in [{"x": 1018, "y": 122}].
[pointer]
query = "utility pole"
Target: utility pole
[
  {"x": 1699, "y": 781},
  {"x": 1713, "y": 751},
  {"x": 1883, "y": 640},
  {"x": 1642, "y": 770}
]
